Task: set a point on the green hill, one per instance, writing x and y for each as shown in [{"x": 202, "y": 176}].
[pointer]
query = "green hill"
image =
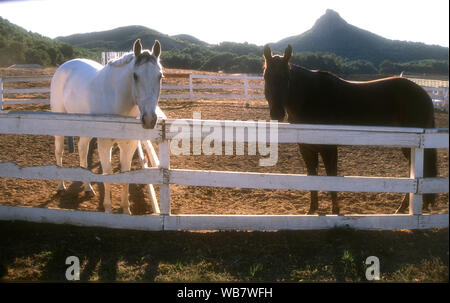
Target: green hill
[
  {"x": 331, "y": 44},
  {"x": 18, "y": 46},
  {"x": 332, "y": 34},
  {"x": 122, "y": 38}
]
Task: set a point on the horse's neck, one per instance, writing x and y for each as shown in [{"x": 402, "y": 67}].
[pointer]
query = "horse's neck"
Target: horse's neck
[
  {"x": 299, "y": 79},
  {"x": 116, "y": 84},
  {"x": 298, "y": 72},
  {"x": 301, "y": 82}
]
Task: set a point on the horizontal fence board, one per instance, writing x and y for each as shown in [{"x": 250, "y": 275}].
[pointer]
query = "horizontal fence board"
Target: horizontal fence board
[
  {"x": 29, "y": 101},
  {"x": 290, "y": 181},
  {"x": 12, "y": 79},
  {"x": 295, "y": 222},
  {"x": 220, "y": 222},
  {"x": 104, "y": 126},
  {"x": 25, "y": 90},
  {"x": 433, "y": 221},
  {"x": 435, "y": 139},
  {"x": 304, "y": 133},
  {"x": 256, "y": 96},
  {"x": 80, "y": 218},
  {"x": 228, "y": 77},
  {"x": 53, "y": 172},
  {"x": 175, "y": 87},
  {"x": 340, "y": 137},
  {"x": 219, "y": 96},
  {"x": 230, "y": 179},
  {"x": 433, "y": 185},
  {"x": 36, "y": 123},
  {"x": 218, "y": 86},
  {"x": 175, "y": 96}
]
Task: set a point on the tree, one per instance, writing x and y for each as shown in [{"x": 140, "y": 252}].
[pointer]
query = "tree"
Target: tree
[
  {"x": 37, "y": 56},
  {"x": 66, "y": 50}
]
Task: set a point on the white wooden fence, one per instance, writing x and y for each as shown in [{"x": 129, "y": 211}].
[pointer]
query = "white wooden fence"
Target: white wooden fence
[
  {"x": 38, "y": 123},
  {"x": 14, "y": 79},
  {"x": 439, "y": 95}
]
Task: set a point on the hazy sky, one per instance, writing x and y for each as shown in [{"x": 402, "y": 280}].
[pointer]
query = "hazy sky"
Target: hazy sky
[{"x": 257, "y": 21}]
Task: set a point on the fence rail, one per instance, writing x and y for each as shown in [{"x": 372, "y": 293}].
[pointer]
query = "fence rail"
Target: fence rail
[
  {"x": 439, "y": 95},
  {"x": 36, "y": 123}
]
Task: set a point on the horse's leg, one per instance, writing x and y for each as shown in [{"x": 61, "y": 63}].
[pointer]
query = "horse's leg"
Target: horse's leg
[
  {"x": 59, "y": 150},
  {"x": 83, "y": 148},
  {"x": 104, "y": 152},
  {"x": 405, "y": 202},
  {"x": 330, "y": 158},
  {"x": 127, "y": 150},
  {"x": 311, "y": 158}
]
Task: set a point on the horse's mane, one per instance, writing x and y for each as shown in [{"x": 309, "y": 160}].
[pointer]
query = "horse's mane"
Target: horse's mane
[
  {"x": 125, "y": 59},
  {"x": 145, "y": 56},
  {"x": 321, "y": 73}
]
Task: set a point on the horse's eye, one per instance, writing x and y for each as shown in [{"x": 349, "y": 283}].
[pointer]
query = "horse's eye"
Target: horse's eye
[{"x": 135, "y": 77}]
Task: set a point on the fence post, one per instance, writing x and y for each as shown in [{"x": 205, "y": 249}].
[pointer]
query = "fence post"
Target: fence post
[
  {"x": 1, "y": 93},
  {"x": 191, "y": 88},
  {"x": 246, "y": 90},
  {"x": 164, "y": 164},
  {"x": 416, "y": 172}
]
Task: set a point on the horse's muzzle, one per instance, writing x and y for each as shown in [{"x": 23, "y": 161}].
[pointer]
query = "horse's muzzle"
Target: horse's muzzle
[{"x": 149, "y": 120}]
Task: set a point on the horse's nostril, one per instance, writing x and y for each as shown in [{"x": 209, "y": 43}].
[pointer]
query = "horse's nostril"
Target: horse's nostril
[{"x": 149, "y": 120}]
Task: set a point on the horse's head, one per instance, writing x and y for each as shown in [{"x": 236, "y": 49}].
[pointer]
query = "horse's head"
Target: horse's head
[
  {"x": 276, "y": 81},
  {"x": 146, "y": 81}
]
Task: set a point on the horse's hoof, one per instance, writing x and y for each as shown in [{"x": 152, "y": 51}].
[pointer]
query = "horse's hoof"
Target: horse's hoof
[
  {"x": 108, "y": 209},
  {"x": 89, "y": 193},
  {"x": 126, "y": 211}
]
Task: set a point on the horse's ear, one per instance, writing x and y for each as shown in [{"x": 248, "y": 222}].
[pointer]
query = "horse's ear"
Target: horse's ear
[
  {"x": 267, "y": 52},
  {"x": 288, "y": 53},
  {"x": 156, "y": 50},
  {"x": 137, "y": 47}
]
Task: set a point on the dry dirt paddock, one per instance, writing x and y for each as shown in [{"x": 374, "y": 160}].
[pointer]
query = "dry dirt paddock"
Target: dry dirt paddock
[{"x": 353, "y": 161}]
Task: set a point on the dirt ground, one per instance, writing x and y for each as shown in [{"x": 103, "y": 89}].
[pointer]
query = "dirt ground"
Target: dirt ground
[{"x": 353, "y": 161}]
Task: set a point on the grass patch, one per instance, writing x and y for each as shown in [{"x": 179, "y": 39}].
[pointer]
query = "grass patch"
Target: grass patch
[{"x": 37, "y": 252}]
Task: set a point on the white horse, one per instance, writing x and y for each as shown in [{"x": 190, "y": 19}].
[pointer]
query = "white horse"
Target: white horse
[{"x": 129, "y": 86}]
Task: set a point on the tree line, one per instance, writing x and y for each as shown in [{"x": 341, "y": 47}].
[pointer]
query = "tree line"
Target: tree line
[
  {"x": 247, "y": 58},
  {"x": 18, "y": 46}
]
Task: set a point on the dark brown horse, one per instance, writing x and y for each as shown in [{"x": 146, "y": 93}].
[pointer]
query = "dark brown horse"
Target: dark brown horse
[{"x": 317, "y": 97}]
